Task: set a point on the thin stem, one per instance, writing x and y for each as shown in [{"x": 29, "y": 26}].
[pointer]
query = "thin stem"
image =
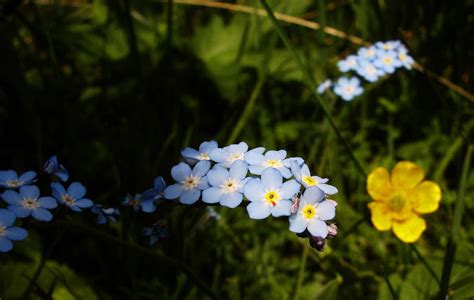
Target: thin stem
[
  {"x": 301, "y": 272},
  {"x": 310, "y": 83},
  {"x": 425, "y": 263},
  {"x": 390, "y": 286},
  {"x": 453, "y": 238}
]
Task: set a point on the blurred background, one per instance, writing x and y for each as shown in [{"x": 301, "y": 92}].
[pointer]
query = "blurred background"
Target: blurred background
[{"x": 117, "y": 88}]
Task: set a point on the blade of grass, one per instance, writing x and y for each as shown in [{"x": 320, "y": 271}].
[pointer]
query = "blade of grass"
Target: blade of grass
[
  {"x": 390, "y": 286},
  {"x": 311, "y": 84},
  {"x": 301, "y": 272},
  {"x": 453, "y": 238},
  {"x": 425, "y": 263}
]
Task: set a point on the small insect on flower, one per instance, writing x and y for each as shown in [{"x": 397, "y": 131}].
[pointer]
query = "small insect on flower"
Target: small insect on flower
[
  {"x": 150, "y": 198},
  {"x": 73, "y": 197},
  {"x": 226, "y": 156},
  {"x": 295, "y": 202},
  {"x": 192, "y": 155},
  {"x": 190, "y": 183},
  {"x": 348, "y": 88},
  {"x": 51, "y": 166},
  {"x": 28, "y": 202},
  {"x": 105, "y": 214},
  {"x": 133, "y": 201},
  {"x": 10, "y": 180},
  {"x": 269, "y": 195},
  {"x": 400, "y": 198},
  {"x": 9, "y": 233}
]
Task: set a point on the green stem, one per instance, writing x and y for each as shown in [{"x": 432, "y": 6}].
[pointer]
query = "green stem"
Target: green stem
[
  {"x": 390, "y": 286},
  {"x": 301, "y": 272},
  {"x": 425, "y": 263},
  {"x": 453, "y": 238},
  {"x": 311, "y": 84},
  {"x": 247, "y": 111}
]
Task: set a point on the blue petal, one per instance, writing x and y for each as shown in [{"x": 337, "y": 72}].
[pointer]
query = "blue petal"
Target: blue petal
[
  {"x": 62, "y": 174},
  {"x": 150, "y": 194},
  {"x": 241, "y": 147},
  {"x": 289, "y": 189},
  {"x": 190, "y": 196},
  {"x": 313, "y": 195},
  {"x": 203, "y": 184},
  {"x": 276, "y": 155},
  {"x": 217, "y": 176},
  {"x": 258, "y": 210},
  {"x": 259, "y": 150},
  {"x": 16, "y": 233},
  {"x": 282, "y": 208},
  {"x": 318, "y": 228},
  {"x": 190, "y": 153},
  {"x": 5, "y": 244},
  {"x": 212, "y": 195},
  {"x": 254, "y": 158},
  {"x": 296, "y": 170},
  {"x": 232, "y": 200},
  {"x": 84, "y": 203},
  {"x": 238, "y": 170},
  {"x": 8, "y": 175},
  {"x": 74, "y": 208},
  {"x": 327, "y": 189},
  {"x": 29, "y": 191},
  {"x": 47, "y": 202},
  {"x": 19, "y": 211},
  {"x": 101, "y": 219},
  {"x": 160, "y": 184},
  {"x": 58, "y": 190},
  {"x": 7, "y": 218},
  {"x": 326, "y": 210},
  {"x": 218, "y": 155},
  {"x": 27, "y": 176},
  {"x": 207, "y": 147},
  {"x": 96, "y": 209},
  {"x": 42, "y": 215},
  {"x": 180, "y": 172},
  {"x": 51, "y": 165},
  {"x": 305, "y": 170},
  {"x": 11, "y": 197},
  {"x": 201, "y": 168},
  {"x": 257, "y": 169},
  {"x": 285, "y": 172},
  {"x": 271, "y": 178},
  {"x": 297, "y": 223},
  {"x": 148, "y": 206},
  {"x": 173, "y": 191},
  {"x": 76, "y": 190},
  {"x": 254, "y": 190}
]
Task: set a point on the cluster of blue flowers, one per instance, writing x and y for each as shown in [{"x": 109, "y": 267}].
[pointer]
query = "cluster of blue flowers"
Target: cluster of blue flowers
[
  {"x": 370, "y": 63},
  {"x": 273, "y": 184},
  {"x": 22, "y": 199}
]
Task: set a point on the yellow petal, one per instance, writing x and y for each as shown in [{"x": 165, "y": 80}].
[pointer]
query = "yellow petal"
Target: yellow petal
[
  {"x": 406, "y": 175},
  {"x": 425, "y": 197},
  {"x": 378, "y": 184},
  {"x": 380, "y": 216},
  {"x": 410, "y": 230}
]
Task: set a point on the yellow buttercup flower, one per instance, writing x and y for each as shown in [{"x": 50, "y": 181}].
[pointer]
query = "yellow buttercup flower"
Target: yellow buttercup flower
[{"x": 400, "y": 199}]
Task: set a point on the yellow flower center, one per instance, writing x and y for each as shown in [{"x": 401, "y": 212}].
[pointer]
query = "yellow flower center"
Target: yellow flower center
[
  {"x": 309, "y": 211},
  {"x": 272, "y": 197},
  {"x": 235, "y": 156},
  {"x": 387, "y": 47},
  {"x": 230, "y": 186},
  {"x": 204, "y": 156},
  {"x": 14, "y": 183},
  {"x": 397, "y": 202},
  {"x": 387, "y": 60},
  {"x": 310, "y": 181},
  {"x": 69, "y": 200},
  {"x": 348, "y": 89},
  {"x": 3, "y": 230},
  {"x": 402, "y": 56},
  {"x": 29, "y": 203},
  {"x": 191, "y": 182},
  {"x": 273, "y": 163}
]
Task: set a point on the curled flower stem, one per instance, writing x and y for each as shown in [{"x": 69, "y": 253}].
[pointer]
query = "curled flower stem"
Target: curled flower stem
[
  {"x": 453, "y": 238},
  {"x": 311, "y": 84}
]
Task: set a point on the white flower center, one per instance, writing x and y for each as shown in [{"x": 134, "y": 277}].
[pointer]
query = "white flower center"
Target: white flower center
[
  {"x": 235, "y": 156},
  {"x": 29, "y": 203},
  {"x": 370, "y": 69},
  {"x": 351, "y": 62},
  {"x": 230, "y": 186},
  {"x": 387, "y": 46},
  {"x": 402, "y": 57},
  {"x": 348, "y": 89},
  {"x": 191, "y": 182},
  {"x": 68, "y": 199},
  {"x": 204, "y": 156},
  {"x": 272, "y": 163},
  {"x": 3, "y": 230},
  {"x": 14, "y": 183},
  {"x": 370, "y": 53}
]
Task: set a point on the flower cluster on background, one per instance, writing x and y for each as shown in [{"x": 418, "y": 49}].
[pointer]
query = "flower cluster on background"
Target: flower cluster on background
[
  {"x": 400, "y": 198},
  {"x": 268, "y": 183},
  {"x": 370, "y": 64}
]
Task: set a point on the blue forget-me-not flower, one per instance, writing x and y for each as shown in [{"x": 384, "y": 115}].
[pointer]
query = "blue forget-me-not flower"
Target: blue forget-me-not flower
[
  {"x": 303, "y": 176},
  {"x": 29, "y": 203},
  {"x": 9, "y": 233},
  {"x": 348, "y": 88},
  {"x": 151, "y": 197},
  {"x": 52, "y": 166},
  {"x": 192, "y": 155},
  {"x": 190, "y": 182},
  {"x": 105, "y": 214},
  {"x": 73, "y": 197},
  {"x": 9, "y": 179}
]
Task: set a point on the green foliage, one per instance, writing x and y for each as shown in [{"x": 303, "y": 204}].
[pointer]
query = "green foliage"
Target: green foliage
[{"x": 116, "y": 89}]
